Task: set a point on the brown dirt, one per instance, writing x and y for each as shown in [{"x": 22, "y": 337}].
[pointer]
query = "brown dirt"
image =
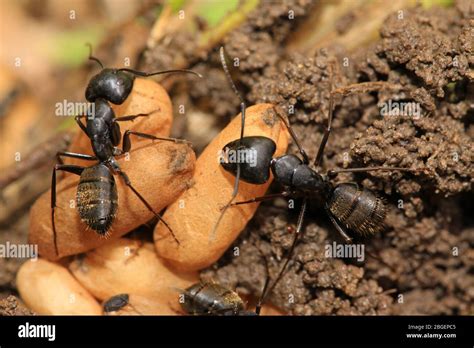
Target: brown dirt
[
  {"x": 15, "y": 234},
  {"x": 11, "y": 306}
]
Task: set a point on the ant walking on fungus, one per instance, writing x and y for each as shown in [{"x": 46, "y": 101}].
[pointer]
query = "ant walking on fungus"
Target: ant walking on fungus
[
  {"x": 349, "y": 206},
  {"x": 96, "y": 198}
]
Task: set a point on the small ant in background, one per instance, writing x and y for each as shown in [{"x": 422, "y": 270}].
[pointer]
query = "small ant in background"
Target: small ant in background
[{"x": 210, "y": 298}]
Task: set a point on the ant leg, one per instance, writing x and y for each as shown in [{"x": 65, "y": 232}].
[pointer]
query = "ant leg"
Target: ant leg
[
  {"x": 327, "y": 130},
  {"x": 144, "y": 201},
  {"x": 362, "y": 87},
  {"x": 116, "y": 128},
  {"x": 81, "y": 125},
  {"x": 295, "y": 139},
  {"x": 298, "y": 234},
  {"x": 74, "y": 155},
  {"x": 348, "y": 240},
  {"x": 67, "y": 168},
  {"x": 333, "y": 173},
  {"x": 264, "y": 198},
  {"x": 133, "y": 117},
  {"x": 127, "y": 145},
  {"x": 259, "y": 305},
  {"x": 339, "y": 228}
]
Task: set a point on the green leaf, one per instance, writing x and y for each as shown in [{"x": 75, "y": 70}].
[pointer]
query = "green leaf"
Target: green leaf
[
  {"x": 176, "y": 5},
  {"x": 69, "y": 48},
  {"x": 431, "y": 3},
  {"x": 214, "y": 11}
]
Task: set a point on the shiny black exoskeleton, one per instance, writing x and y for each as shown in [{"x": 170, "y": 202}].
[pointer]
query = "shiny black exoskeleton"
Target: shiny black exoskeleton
[
  {"x": 115, "y": 303},
  {"x": 97, "y": 199}
]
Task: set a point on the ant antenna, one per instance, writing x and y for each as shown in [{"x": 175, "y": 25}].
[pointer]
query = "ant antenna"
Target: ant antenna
[
  {"x": 141, "y": 73},
  {"x": 92, "y": 57},
  {"x": 243, "y": 106},
  {"x": 234, "y": 87},
  {"x": 145, "y": 74},
  {"x": 327, "y": 130}
]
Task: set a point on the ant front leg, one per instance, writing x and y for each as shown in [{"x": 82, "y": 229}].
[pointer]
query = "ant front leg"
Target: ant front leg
[
  {"x": 294, "y": 137},
  {"x": 264, "y": 198},
  {"x": 67, "y": 168},
  {"x": 81, "y": 125},
  {"x": 145, "y": 202},
  {"x": 127, "y": 145},
  {"x": 73, "y": 155},
  {"x": 133, "y": 117},
  {"x": 363, "y": 87}
]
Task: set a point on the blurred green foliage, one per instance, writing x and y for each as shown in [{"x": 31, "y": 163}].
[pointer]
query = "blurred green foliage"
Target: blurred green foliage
[
  {"x": 213, "y": 11},
  {"x": 69, "y": 48},
  {"x": 431, "y": 3}
]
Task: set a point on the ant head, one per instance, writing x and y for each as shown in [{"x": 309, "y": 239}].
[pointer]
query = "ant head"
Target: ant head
[
  {"x": 253, "y": 154},
  {"x": 113, "y": 85}
]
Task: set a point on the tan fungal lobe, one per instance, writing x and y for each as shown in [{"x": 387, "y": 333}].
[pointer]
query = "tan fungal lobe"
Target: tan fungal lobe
[{"x": 194, "y": 214}]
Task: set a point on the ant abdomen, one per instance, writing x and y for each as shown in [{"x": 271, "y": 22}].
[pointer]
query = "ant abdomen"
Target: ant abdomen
[
  {"x": 97, "y": 199},
  {"x": 358, "y": 208}
]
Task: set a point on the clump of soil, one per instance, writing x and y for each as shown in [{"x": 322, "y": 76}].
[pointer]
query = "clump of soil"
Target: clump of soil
[
  {"x": 15, "y": 234},
  {"x": 425, "y": 256},
  {"x": 11, "y": 306}
]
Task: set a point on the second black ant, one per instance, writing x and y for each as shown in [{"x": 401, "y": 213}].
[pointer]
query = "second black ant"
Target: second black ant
[{"x": 348, "y": 205}]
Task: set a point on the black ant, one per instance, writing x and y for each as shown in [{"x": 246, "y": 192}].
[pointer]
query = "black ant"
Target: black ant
[
  {"x": 207, "y": 298},
  {"x": 348, "y": 205},
  {"x": 210, "y": 298},
  {"x": 96, "y": 192},
  {"x": 115, "y": 303}
]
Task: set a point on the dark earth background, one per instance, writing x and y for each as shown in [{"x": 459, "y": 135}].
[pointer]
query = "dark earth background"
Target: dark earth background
[{"x": 430, "y": 55}]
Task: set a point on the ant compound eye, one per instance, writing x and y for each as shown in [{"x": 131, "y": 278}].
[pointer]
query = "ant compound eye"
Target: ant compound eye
[{"x": 120, "y": 82}]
